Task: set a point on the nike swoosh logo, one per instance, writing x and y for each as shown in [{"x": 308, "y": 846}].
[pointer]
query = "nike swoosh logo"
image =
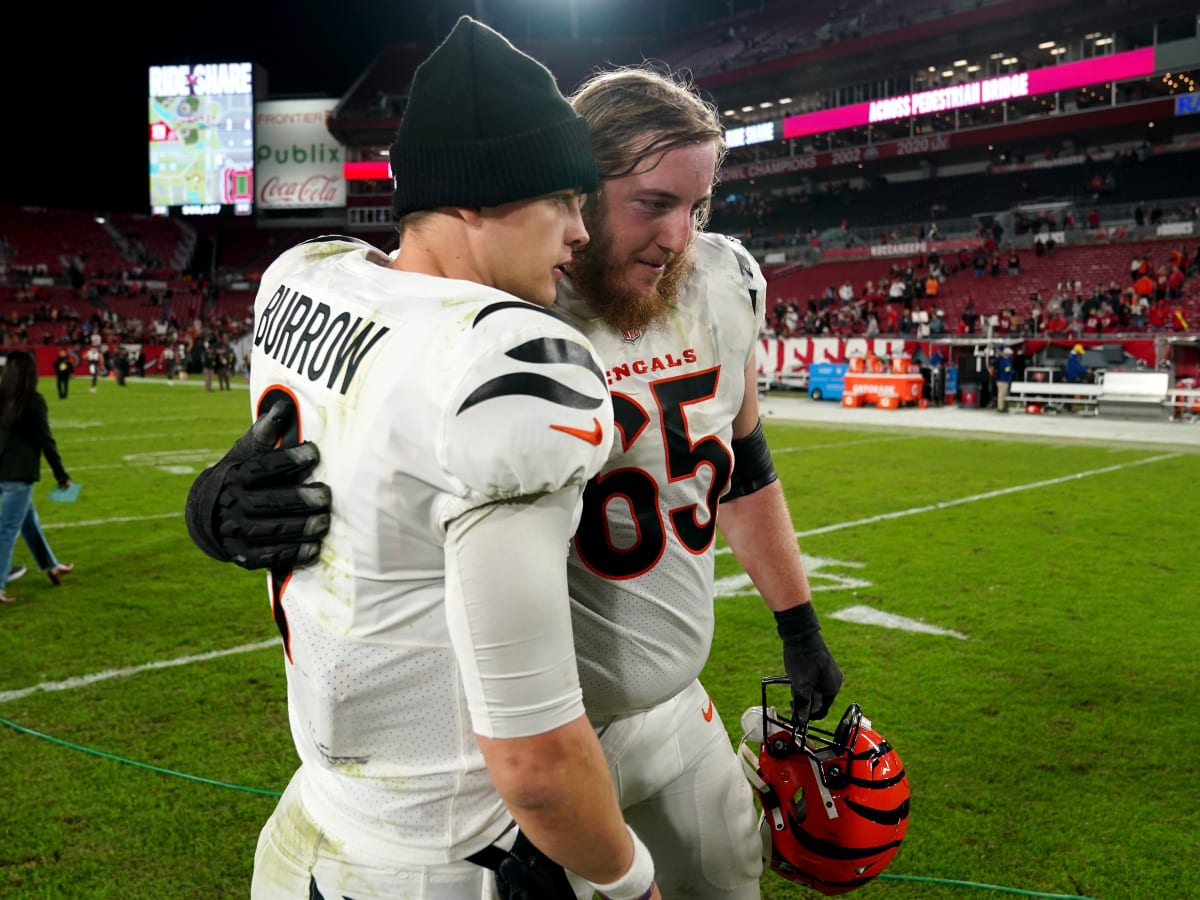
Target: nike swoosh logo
[
  {"x": 593, "y": 436},
  {"x": 707, "y": 712}
]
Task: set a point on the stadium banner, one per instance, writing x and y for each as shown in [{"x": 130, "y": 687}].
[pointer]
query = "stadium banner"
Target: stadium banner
[
  {"x": 781, "y": 359},
  {"x": 1065, "y": 76},
  {"x": 298, "y": 163}
]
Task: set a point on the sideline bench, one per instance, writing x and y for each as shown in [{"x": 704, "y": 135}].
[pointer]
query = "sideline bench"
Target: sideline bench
[
  {"x": 1056, "y": 392},
  {"x": 1141, "y": 394}
]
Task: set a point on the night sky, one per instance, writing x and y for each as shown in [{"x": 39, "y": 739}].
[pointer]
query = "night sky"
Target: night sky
[{"x": 75, "y": 109}]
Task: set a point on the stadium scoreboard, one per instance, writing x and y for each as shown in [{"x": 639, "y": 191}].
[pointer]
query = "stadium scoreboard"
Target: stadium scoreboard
[{"x": 201, "y": 139}]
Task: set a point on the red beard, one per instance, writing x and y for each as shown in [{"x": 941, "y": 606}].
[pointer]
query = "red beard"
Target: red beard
[{"x": 599, "y": 281}]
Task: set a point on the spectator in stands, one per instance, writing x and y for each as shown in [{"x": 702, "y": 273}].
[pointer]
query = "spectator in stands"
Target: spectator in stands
[
  {"x": 1014, "y": 262},
  {"x": 1162, "y": 284},
  {"x": 1107, "y": 318},
  {"x": 891, "y": 323},
  {"x": 1144, "y": 287},
  {"x": 970, "y": 318},
  {"x": 1159, "y": 315},
  {"x": 1076, "y": 372},
  {"x": 1175, "y": 283},
  {"x": 25, "y": 427},
  {"x": 1056, "y": 323},
  {"x": 980, "y": 263},
  {"x": 920, "y": 319}
]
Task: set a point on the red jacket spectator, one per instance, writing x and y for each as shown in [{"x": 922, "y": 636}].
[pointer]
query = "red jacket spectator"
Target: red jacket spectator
[
  {"x": 1175, "y": 283},
  {"x": 1056, "y": 324},
  {"x": 1144, "y": 287},
  {"x": 1159, "y": 316}
]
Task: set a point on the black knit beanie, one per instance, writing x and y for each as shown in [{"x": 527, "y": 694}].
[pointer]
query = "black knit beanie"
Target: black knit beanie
[{"x": 485, "y": 125}]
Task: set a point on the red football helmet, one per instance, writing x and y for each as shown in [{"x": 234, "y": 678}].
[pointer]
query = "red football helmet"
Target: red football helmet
[{"x": 834, "y": 804}]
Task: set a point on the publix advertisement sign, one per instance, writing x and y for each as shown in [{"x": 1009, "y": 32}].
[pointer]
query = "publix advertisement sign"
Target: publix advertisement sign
[{"x": 298, "y": 163}]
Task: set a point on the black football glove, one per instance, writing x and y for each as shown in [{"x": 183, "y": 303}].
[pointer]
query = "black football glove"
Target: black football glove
[
  {"x": 815, "y": 676},
  {"x": 529, "y": 874},
  {"x": 252, "y": 507}
]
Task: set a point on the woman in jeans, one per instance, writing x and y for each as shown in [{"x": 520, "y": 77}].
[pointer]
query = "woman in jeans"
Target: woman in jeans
[{"x": 24, "y": 439}]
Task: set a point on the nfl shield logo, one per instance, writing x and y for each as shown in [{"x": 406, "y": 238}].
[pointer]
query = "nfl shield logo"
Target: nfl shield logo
[{"x": 631, "y": 335}]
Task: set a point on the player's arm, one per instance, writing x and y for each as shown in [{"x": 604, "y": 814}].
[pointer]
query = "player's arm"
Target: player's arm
[
  {"x": 755, "y": 522},
  {"x": 510, "y": 624}
]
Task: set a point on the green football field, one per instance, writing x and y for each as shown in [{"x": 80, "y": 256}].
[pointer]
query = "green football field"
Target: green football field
[{"x": 1017, "y": 616}]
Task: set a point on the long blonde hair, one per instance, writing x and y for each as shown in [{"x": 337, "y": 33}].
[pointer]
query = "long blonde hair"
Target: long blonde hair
[{"x": 637, "y": 112}]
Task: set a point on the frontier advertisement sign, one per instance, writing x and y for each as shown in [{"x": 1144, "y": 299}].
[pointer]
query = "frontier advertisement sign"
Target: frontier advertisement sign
[{"x": 298, "y": 163}]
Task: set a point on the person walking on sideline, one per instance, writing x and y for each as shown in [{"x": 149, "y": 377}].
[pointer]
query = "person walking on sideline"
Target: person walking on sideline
[
  {"x": 95, "y": 361},
  {"x": 1004, "y": 378},
  {"x": 433, "y": 687},
  {"x": 64, "y": 365},
  {"x": 170, "y": 361},
  {"x": 25, "y": 437}
]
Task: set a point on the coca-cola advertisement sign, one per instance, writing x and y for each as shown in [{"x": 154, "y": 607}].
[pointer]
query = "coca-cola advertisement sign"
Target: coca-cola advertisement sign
[{"x": 298, "y": 163}]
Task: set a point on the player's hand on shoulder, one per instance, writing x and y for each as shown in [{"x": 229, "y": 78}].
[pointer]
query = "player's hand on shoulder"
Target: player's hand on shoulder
[{"x": 253, "y": 507}]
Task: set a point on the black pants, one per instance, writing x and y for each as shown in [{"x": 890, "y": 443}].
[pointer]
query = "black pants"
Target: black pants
[{"x": 64, "y": 382}]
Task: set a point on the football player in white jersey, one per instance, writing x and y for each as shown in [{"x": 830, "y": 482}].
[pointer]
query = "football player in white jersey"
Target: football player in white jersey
[
  {"x": 674, "y": 313},
  {"x": 433, "y": 690}
]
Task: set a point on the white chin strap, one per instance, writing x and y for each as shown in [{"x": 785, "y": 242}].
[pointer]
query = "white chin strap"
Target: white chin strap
[{"x": 771, "y": 814}]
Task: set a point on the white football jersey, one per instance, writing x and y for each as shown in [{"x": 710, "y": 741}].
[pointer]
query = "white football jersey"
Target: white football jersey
[
  {"x": 642, "y": 562},
  {"x": 428, "y": 397}
]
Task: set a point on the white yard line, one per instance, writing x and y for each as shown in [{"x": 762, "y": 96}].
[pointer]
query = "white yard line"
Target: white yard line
[
  {"x": 46, "y": 526},
  {"x": 975, "y": 498},
  {"x": 86, "y": 680}
]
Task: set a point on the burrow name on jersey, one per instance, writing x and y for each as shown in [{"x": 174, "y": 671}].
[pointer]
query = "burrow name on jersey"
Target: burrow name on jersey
[{"x": 306, "y": 337}]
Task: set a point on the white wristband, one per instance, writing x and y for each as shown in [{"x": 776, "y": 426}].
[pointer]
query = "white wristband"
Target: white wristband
[{"x": 638, "y": 882}]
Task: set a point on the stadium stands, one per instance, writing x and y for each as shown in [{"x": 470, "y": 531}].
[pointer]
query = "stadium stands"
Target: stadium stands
[{"x": 813, "y": 225}]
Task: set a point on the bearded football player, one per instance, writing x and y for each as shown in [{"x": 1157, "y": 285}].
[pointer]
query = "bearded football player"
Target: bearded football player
[{"x": 674, "y": 315}]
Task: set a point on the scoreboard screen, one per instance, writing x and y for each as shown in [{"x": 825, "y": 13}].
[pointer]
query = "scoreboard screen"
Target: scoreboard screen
[{"x": 201, "y": 133}]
